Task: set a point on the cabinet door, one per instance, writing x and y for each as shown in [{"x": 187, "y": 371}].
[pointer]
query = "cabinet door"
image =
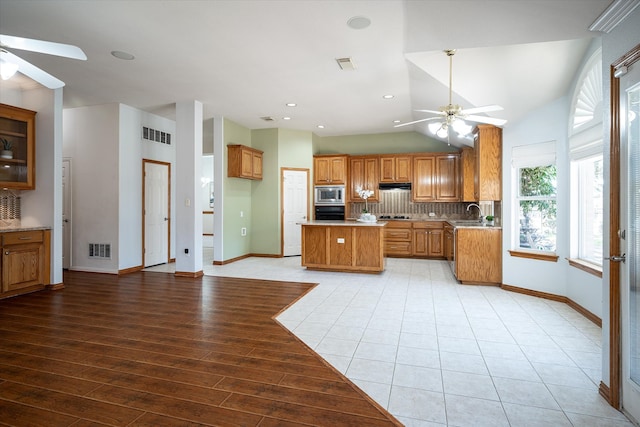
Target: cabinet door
[
  {"x": 436, "y": 243},
  {"x": 256, "y": 165},
  {"x": 246, "y": 164},
  {"x": 448, "y": 178},
  {"x": 321, "y": 168},
  {"x": 468, "y": 161},
  {"x": 363, "y": 172},
  {"x": 338, "y": 170},
  {"x": 17, "y": 165},
  {"x": 22, "y": 266},
  {"x": 387, "y": 169},
  {"x": 488, "y": 149},
  {"x": 423, "y": 186},
  {"x": 420, "y": 242},
  {"x": 403, "y": 169}
]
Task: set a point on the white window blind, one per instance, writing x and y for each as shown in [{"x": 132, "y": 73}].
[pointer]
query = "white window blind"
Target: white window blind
[{"x": 532, "y": 155}]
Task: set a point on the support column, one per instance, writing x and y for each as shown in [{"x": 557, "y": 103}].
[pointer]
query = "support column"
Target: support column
[{"x": 188, "y": 210}]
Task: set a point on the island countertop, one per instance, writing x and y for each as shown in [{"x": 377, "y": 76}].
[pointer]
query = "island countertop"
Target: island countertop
[{"x": 346, "y": 223}]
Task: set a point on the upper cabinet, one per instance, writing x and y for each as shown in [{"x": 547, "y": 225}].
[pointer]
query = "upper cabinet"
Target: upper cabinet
[
  {"x": 244, "y": 162},
  {"x": 17, "y": 148},
  {"x": 364, "y": 173},
  {"x": 468, "y": 165},
  {"x": 329, "y": 170},
  {"x": 488, "y": 153},
  {"x": 395, "y": 168},
  {"x": 436, "y": 177}
]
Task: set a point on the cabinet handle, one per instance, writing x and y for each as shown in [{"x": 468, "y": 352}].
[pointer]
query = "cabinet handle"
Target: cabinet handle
[
  {"x": 25, "y": 238},
  {"x": 7, "y": 253}
]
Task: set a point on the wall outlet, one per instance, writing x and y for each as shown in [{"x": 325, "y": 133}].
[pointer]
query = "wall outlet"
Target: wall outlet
[
  {"x": 432, "y": 214},
  {"x": 243, "y": 231},
  {"x": 340, "y": 240}
]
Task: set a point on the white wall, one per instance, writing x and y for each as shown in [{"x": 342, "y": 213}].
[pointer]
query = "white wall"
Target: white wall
[
  {"x": 91, "y": 140},
  {"x": 546, "y": 124}
]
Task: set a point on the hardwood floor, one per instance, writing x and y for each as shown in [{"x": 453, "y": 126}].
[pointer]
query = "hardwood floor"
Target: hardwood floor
[{"x": 152, "y": 349}]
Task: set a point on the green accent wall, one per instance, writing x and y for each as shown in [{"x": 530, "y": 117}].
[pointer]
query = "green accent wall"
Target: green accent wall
[{"x": 381, "y": 143}]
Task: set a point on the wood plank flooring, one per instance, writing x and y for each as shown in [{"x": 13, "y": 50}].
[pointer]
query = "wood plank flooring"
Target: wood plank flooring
[{"x": 152, "y": 349}]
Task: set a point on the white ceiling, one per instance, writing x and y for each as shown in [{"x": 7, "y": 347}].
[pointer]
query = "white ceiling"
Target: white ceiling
[{"x": 246, "y": 59}]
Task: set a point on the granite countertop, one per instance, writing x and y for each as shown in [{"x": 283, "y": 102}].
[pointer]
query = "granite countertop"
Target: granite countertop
[
  {"x": 14, "y": 229},
  {"x": 346, "y": 223}
]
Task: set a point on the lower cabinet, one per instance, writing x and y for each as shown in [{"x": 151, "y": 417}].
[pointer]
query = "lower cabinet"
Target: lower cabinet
[
  {"x": 343, "y": 248},
  {"x": 428, "y": 239},
  {"x": 25, "y": 261},
  {"x": 422, "y": 239},
  {"x": 478, "y": 255}
]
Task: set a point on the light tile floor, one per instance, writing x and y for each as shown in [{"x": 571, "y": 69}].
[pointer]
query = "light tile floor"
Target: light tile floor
[{"x": 436, "y": 353}]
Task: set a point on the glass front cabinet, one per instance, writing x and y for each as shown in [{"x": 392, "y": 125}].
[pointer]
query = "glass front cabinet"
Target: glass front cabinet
[{"x": 17, "y": 148}]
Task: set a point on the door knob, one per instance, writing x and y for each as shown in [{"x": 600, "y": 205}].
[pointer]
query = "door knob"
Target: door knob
[{"x": 618, "y": 258}]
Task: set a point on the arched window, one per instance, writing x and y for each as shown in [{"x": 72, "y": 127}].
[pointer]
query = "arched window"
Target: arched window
[{"x": 587, "y": 100}]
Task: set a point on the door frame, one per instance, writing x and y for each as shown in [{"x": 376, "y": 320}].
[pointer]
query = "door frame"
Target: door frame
[
  {"x": 67, "y": 236},
  {"x": 282, "y": 170},
  {"x": 144, "y": 225},
  {"x": 613, "y": 391}
]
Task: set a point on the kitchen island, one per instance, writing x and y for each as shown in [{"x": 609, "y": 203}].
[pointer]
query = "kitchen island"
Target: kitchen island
[{"x": 348, "y": 246}]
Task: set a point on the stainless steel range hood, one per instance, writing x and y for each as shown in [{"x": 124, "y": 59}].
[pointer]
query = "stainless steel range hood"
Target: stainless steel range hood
[{"x": 394, "y": 186}]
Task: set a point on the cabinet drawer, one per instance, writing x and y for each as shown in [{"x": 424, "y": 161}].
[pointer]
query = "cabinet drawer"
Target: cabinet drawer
[
  {"x": 397, "y": 248},
  {"x": 397, "y": 234},
  {"x": 21, "y": 237},
  {"x": 429, "y": 224}
]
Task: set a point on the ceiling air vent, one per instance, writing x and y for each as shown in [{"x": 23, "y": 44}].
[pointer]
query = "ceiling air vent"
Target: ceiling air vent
[
  {"x": 268, "y": 119},
  {"x": 346, "y": 64}
]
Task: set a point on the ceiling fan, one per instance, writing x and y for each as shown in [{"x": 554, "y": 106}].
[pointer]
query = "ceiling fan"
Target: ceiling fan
[
  {"x": 453, "y": 115},
  {"x": 10, "y": 63}
]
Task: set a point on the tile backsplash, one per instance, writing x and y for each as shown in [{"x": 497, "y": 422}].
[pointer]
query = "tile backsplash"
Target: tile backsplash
[{"x": 398, "y": 202}]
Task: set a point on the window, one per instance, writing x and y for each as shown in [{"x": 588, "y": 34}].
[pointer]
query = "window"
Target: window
[
  {"x": 537, "y": 208},
  {"x": 587, "y": 183}
]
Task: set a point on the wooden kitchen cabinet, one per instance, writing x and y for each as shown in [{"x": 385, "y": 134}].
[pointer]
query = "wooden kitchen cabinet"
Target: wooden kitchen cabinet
[
  {"x": 17, "y": 166},
  {"x": 468, "y": 165},
  {"x": 244, "y": 162},
  {"x": 24, "y": 261},
  {"x": 428, "y": 239},
  {"x": 363, "y": 172},
  {"x": 447, "y": 177},
  {"x": 398, "y": 238},
  {"x": 478, "y": 255},
  {"x": 488, "y": 161},
  {"x": 436, "y": 178},
  {"x": 329, "y": 169},
  {"x": 395, "y": 168}
]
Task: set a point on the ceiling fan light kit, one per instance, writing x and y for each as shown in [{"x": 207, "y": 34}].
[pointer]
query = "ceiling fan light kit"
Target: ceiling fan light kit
[
  {"x": 11, "y": 63},
  {"x": 453, "y": 115}
]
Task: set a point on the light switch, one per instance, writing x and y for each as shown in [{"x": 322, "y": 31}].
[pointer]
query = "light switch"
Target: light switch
[{"x": 187, "y": 202}]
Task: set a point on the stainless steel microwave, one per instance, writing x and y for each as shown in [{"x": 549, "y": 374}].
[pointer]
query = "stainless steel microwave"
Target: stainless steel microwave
[{"x": 330, "y": 195}]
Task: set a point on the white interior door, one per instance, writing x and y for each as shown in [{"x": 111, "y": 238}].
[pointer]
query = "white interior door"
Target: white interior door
[
  {"x": 156, "y": 213},
  {"x": 66, "y": 213},
  {"x": 630, "y": 223},
  {"x": 295, "y": 207}
]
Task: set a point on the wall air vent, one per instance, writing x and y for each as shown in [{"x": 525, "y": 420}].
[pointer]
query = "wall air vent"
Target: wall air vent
[
  {"x": 100, "y": 250},
  {"x": 268, "y": 119},
  {"x": 346, "y": 64},
  {"x": 156, "y": 135}
]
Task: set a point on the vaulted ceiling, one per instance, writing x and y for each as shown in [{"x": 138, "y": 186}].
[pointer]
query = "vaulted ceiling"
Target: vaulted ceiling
[{"x": 245, "y": 60}]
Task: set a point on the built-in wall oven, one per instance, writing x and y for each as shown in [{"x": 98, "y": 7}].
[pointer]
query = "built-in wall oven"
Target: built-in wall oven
[{"x": 335, "y": 213}]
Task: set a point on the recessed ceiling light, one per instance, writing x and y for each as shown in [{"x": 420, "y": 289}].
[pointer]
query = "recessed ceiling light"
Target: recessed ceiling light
[
  {"x": 122, "y": 55},
  {"x": 387, "y": 96},
  {"x": 286, "y": 118},
  {"x": 359, "y": 22},
  {"x": 397, "y": 121},
  {"x": 291, "y": 104},
  {"x": 320, "y": 126}
]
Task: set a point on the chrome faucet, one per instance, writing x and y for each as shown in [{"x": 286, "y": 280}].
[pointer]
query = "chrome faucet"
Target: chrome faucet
[{"x": 479, "y": 209}]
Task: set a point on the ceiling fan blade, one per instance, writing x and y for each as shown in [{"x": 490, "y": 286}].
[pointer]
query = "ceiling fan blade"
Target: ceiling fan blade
[
  {"x": 442, "y": 113},
  {"x": 41, "y": 46},
  {"x": 485, "y": 109},
  {"x": 34, "y": 72},
  {"x": 417, "y": 121},
  {"x": 487, "y": 120}
]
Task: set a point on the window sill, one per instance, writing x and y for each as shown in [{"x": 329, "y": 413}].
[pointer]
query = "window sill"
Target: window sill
[
  {"x": 588, "y": 267},
  {"x": 541, "y": 256}
]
